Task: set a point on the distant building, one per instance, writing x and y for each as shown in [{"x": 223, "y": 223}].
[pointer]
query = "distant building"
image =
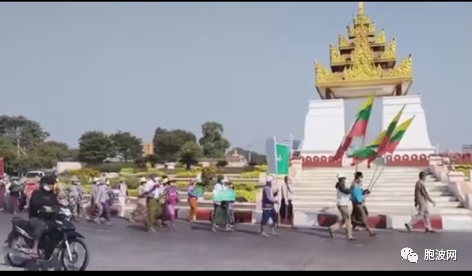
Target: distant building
[
  {"x": 236, "y": 160},
  {"x": 148, "y": 148}
]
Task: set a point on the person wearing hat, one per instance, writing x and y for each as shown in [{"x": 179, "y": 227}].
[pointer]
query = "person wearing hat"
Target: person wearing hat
[
  {"x": 139, "y": 213},
  {"x": 220, "y": 212},
  {"x": 171, "y": 199},
  {"x": 122, "y": 196},
  {"x": 75, "y": 196},
  {"x": 359, "y": 211},
  {"x": 343, "y": 195},
  {"x": 193, "y": 199},
  {"x": 102, "y": 201},
  {"x": 94, "y": 209},
  {"x": 268, "y": 207},
  {"x": 152, "y": 192}
]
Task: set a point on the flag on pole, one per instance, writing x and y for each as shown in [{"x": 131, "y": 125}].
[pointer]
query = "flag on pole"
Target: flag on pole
[
  {"x": 386, "y": 139},
  {"x": 358, "y": 128},
  {"x": 398, "y": 135},
  {"x": 369, "y": 150}
]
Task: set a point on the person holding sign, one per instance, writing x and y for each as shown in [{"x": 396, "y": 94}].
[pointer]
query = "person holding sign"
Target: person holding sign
[
  {"x": 220, "y": 212},
  {"x": 268, "y": 209},
  {"x": 152, "y": 193},
  {"x": 193, "y": 193},
  {"x": 230, "y": 209}
]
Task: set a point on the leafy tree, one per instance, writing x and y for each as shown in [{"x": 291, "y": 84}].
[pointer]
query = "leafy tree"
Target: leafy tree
[
  {"x": 190, "y": 152},
  {"x": 221, "y": 163},
  {"x": 27, "y": 132},
  {"x": 140, "y": 162},
  {"x": 94, "y": 147},
  {"x": 127, "y": 145},
  {"x": 213, "y": 143},
  {"x": 167, "y": 143},
  {"x": 50, "y": 152},
  {"x": 208, "y": 174}
]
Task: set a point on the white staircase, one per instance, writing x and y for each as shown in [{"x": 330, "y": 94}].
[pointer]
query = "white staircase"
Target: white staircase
[{"x": 393, "y": 192}]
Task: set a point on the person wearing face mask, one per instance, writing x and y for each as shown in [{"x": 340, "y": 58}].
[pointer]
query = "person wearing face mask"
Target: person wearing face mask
[
  {"x": 268, "y": 209},
  {"x": 359, "y": 211},
  {"x": 343, "y": 195},
  {"x": 42, "y": 203}
]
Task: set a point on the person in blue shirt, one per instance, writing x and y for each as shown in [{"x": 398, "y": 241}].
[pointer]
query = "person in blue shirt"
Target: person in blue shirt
[{"x": 359, "y": 211}]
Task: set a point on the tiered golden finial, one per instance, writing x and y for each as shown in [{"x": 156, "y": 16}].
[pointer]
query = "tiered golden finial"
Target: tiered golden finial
[
  {"x": 360, "y": 8},
  {"x": 363, "y": 55}
]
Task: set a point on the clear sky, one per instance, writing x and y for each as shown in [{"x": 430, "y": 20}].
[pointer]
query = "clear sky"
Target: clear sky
[{"x": 136, "y": 66}]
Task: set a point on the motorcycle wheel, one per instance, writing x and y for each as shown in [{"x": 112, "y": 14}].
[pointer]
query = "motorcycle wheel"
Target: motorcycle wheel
[
  {"x": 64, "y": 256},
  {"x": 13, "y": 260}
]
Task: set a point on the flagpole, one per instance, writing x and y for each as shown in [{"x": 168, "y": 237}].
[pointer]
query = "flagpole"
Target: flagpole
[
  {"x": 366, "y": 125},
  {"x": 375, "y": 182}
]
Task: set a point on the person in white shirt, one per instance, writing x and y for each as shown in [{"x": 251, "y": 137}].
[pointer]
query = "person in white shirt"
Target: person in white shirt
[
  {"x": 122, "y": 195},
  {"x": 286, "y": 207},
  {"x": 343, "y": 200},
  {"x": 152, "y": 192},
  {"x": 220, "y": 209}
]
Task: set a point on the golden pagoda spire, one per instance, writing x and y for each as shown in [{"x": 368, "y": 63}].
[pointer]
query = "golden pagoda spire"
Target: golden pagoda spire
[
  {"x": 363, "y": 56},
  {"x": 361, "y": 8}
]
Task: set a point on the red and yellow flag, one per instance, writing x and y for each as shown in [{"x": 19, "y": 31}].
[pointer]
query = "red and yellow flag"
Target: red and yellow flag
[{"x": 358, "y": 128}]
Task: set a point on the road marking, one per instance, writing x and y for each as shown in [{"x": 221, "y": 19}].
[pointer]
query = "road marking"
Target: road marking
[{"x": 304, "y": 262}]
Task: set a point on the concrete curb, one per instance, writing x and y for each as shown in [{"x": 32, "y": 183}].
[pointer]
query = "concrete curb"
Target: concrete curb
[
  {"x": 320, "y": 219},
  {"x": 392, "y": 222}
]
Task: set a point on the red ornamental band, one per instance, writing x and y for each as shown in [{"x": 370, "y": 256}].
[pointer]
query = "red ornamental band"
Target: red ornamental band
[
  {"x": 396, "y": 160},
  {"x": 407, "y": 160},
  {"x": 319, "y": 161}
]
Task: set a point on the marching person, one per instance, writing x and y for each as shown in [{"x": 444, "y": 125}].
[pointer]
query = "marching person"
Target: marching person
[
  {"x": 152, "y": 193},
  {"x": 92, "y": 209},
  {"x": 75, "y": 194},
  {"x": 421, "y": 204},
  {"x": 286, "y": 207},
  {"x": 357, "y": 198},
  {"x": 102, "y": 202},
  {"x": 192, "y": 200},
  {"x": 16, "y": 189},
  {"x": 220, "y": 212},
  {"x": 268, "y": 208},
  {"x": 230, "y": 208},
  {"x": 122, "y": 196},
  {"x": 171, "y": 197},
  {"x": 343, "y": 195},
  {"x": 139, "y": 214}
]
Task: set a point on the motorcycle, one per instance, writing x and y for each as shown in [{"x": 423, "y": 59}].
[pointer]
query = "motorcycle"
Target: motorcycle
[{"x": 58, "y": 243}]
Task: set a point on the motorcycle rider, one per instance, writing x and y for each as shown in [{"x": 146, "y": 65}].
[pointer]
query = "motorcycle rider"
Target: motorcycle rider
[{"x": 41, "y": 206}]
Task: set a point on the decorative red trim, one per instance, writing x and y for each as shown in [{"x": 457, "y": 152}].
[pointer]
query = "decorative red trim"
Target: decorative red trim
[
  {"x": 319, "y": 161},
  {"x": 436, "y": 223},
  {"x": 406, "y": 160}
]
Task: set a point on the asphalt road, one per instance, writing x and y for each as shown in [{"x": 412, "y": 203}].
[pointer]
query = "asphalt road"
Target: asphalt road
[{"x": 122, "y": 246}]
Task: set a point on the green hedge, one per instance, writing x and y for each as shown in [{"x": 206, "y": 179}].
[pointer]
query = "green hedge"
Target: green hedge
[
  {"x": 129, "y": 167},
  {"x": 254, "y": 174}
]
